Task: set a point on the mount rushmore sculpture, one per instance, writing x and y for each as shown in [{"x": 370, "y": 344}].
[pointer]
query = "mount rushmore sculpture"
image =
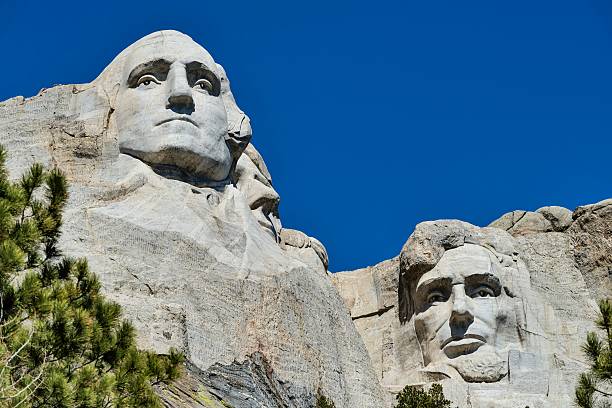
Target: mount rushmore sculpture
[{"x": 176, "y": 211}]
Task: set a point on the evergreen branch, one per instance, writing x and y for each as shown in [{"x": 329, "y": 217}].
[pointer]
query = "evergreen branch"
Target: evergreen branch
[
  {"x": 15, "y": 321},
  {"x": 76, "y": 347},
  {"x": 593, "y": 347},
  {"x": 16, "y": 353},
  {"x": 26, "y": 387},
  {"x": 38, "y": 377},
  {"x": 86, "y": 364}
]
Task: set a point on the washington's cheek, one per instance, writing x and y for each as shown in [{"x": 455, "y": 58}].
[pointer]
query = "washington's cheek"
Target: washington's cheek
[
  {"x": 134, "y": 113},
  {"x": 123, "y": 112},
  {"x": 211, "y": 117},
  {"x": 129, "y": 133}
]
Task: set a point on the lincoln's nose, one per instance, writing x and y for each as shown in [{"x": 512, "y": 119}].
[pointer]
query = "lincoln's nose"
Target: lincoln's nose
[
  {"x": 461, "y": 315},
  {"x": 180, "y": 97}
]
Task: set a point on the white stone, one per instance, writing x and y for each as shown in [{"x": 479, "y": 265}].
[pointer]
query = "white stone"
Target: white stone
[
  {"x": 522, "y": 223},
  {"x": 530, "y": 336},
  {"x": 151, "y": 149},
  {"x": 559, "y": 217},
  {"x": 176, "y": 212}
]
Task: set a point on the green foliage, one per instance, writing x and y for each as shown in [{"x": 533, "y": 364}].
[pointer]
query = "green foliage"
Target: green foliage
[
  {"x": 62, "y": 344},
  {"x": 324, "y": 402},
  {"x": 594, "y": 386},
  {"x": 415, "y": 397}
]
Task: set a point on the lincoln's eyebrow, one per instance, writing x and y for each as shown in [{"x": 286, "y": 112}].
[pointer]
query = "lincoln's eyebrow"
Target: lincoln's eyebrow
[
  {"x": 438, "y": 282},
  {"x": 159, "y": 68},
  {"x": 480, "y": 278}
]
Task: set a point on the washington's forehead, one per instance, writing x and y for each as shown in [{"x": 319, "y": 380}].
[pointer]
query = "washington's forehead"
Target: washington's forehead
[{"x": 169, "y": 49}]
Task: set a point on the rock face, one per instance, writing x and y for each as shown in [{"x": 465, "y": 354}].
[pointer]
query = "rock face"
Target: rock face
[
  {"x": 591, "y": 237},
  {"x": 176, "y": 213},
  {"x": 488, "y": 312},
  {"x": 523, "y": 222},
  {"x": 250, "y": 383}
]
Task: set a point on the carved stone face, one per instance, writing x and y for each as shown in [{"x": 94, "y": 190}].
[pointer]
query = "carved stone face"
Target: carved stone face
[
  {"x": 460, "y": 306},
  {"x": 261, "y": 196},
  {"x": 169, "y": 111}
]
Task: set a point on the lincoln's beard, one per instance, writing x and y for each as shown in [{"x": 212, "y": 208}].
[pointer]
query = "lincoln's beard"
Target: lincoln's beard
[{"x": 482, "y": 366}]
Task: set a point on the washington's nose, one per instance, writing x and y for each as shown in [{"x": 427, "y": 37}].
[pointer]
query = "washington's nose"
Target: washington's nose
[
  {"x": 461, "y": 314},
  {"x": 179, "y": 93}
]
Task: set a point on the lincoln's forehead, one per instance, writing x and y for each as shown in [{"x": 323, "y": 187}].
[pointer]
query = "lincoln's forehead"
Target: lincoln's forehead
[
  {"x": 169, "y": 48},
  {"x": 461, "y": 262}
]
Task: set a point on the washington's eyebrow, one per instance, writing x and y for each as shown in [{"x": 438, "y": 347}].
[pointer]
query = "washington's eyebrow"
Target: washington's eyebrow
[
  {"x": 197, "y": 65},
  {"x": 197, "y": 70},
  {"x": 160, "y": 66}
]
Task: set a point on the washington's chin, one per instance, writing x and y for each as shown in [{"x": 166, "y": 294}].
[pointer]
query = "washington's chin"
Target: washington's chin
[{"x": 185, "y": 161}]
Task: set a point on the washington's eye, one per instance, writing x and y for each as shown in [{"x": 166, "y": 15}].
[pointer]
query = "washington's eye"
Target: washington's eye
[
  {"x": 204, "y": 84},
  {"x": 435, "y": 297},
  {"x": 146, "y": 80},
  {"x": 483, "y": 291}
]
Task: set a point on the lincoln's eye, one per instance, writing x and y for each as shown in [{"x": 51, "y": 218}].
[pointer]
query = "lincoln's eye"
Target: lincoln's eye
[
  {"x": 435, "y": 297},
  {"x": 483, "y": 291},
  {"x": 204, "y": 85}
]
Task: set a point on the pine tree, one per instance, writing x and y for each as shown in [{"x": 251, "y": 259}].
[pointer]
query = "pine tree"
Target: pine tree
[
  {"x": 594, "y": 386},
  {"x": 62, "y": 344},
  {"x": 324, "y": 402},
  {"x": 415, "y": 397}
]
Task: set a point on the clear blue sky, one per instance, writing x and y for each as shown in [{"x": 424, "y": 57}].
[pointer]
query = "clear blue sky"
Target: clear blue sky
[{"x": 375, "y": 116}]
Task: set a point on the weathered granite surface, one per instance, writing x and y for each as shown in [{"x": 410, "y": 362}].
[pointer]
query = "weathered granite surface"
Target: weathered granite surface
[
  {"x": 591, "y": 238},
  {"x": 563, "y": 266},
  {"x": 252, "y": 382},
  {"x": 176, "y": 213}
]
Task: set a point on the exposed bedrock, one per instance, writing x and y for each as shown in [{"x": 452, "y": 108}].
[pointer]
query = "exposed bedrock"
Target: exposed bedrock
[
  {"x": 176, "y": 212},
  {"x": 502, "y": 310}
]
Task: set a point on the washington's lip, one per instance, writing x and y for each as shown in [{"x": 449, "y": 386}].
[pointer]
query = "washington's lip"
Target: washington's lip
[
  {"x": 183, "y": 118},
  {"x": 468, "y": 338}
]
